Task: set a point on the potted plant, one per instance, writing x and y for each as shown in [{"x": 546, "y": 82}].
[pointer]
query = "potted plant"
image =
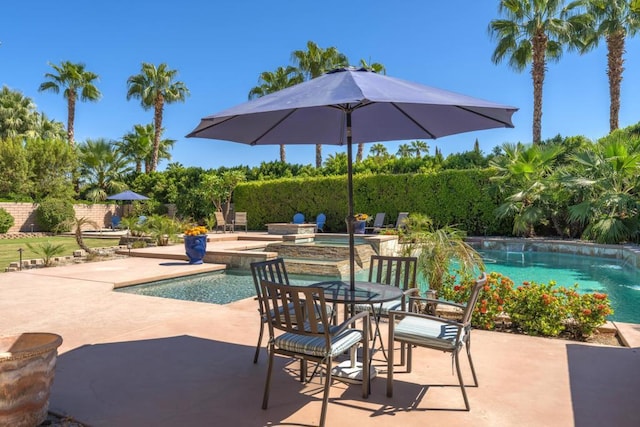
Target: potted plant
[
  {"x": 195, "y": 243},
  {"x": 360, "y": 223}
]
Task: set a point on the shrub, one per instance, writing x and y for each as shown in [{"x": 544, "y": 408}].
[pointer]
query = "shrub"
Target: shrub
[
  {"x": 55, "y": 215},
  {"x": 586, "y": 312},
  {"x": 539, "y": 309},
  {"x": 6, "y": 221},
  {"x": 491, "y": 300},
  {"x": 48, "y": 251}
]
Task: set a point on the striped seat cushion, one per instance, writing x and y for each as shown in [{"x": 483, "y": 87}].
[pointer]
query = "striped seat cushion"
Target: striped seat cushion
[
  {"x": 427, "y": 332},
  {"x": 315, "y": 345}
]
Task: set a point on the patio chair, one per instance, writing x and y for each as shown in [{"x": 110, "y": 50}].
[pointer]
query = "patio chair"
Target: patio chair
[
  {"x": 240, "y": 220},
  {"x": 321, "y": 219},
  {"x": 115, "y": 222},
  {"x": 393, "y": 271},
  {"x": 221, "y": 223},
  {"x": 414, "y": 329},
  {"x": 307, "y": 338},
  {"x": 378, "y": 223},
  {"x": 402, "y": 216},
  {"x": 298, "y": 218}
]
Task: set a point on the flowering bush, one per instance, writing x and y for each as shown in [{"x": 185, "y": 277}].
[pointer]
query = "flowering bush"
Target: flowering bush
[
  {"x": 587, "y": 311},
  {"x": 539, "y": 309},
  {"x": 195, "y": 231},
  {"x": 491, "y": 300}
]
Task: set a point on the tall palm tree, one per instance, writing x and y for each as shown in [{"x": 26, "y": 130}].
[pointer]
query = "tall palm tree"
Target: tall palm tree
[
  {"x": 155, "y": 87},
  {"x": 313, "y": 62},
  {"x": 76, "y": 83},
  {"x": 137, "y": 147},
  {"x": 404, "y": 150},
  {"x": 270, "y": 82},
  {"x": 376, "y": 67},
  {"x": 613, "y": 20},
  {"x": 534, "y": 32},
  {"x": 379, "y": 150}
]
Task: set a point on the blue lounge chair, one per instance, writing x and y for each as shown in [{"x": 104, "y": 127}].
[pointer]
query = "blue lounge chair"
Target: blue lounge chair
[
  {"x": 320, "y": 221},
  {"x": 298, "y": 218},
  {"x": 115, "y": 222}
]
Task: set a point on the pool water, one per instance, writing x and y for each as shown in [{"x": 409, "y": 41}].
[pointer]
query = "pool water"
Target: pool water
[{"x": 620, "y": 282}]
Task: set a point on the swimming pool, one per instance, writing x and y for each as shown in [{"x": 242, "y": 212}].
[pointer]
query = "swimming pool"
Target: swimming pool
[{"x": 621, "y": 283}]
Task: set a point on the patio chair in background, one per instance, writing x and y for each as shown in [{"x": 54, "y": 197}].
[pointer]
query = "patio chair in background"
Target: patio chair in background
[
  {"x": 317, "y": 341},
  {"x": 240, "y": 220},
  {"x": 400, "y": 221},
  {"x": 414, "y": 329},
  {"x": 378, "y": 223},
  {"x": 321, "y": 219},
  {"x": 115, "y": 222},
  {"x": 298, "y": 218},
  {"x": 393, "y": 271},
  {"x": 221, "y": 223}
]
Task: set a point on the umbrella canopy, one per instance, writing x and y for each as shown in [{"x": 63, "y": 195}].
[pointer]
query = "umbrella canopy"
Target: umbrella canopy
[
  {"x": 350, "y": 105},
  {"x": 127, "y": 195}
]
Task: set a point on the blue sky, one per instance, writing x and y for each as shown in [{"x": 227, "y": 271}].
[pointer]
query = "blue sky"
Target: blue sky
[{"x": 220, "y": 49}]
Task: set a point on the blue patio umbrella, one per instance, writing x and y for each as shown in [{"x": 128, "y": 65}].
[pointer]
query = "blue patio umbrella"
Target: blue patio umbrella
[
  {"x": 127, "y": 195},
  {"x": 350, "y": 105}
]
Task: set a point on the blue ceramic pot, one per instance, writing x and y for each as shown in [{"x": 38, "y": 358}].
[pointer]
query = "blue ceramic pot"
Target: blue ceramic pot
[
  {"x": 195, "y": 247},
  {"x": 359, "y": 227}
]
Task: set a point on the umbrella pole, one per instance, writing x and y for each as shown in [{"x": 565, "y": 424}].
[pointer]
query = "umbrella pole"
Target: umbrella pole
[{"x": 352, "y": 263}]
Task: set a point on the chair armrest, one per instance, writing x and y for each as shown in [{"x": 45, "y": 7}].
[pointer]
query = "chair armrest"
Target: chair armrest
[
  {"x": 341, "y": 327},
  {"x": 400, "y": 313},
  {"x": 438, "y": 301}
]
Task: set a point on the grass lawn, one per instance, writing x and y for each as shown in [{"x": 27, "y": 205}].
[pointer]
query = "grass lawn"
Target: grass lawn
[{"x": 9, "y": 247}]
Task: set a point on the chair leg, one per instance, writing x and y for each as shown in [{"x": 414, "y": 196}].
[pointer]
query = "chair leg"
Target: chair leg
[
  {"x": 473, "y": 370},
  {"x": 325, "y": 397},
  {"x": 464, "y": 392},
  {"x": 255, "y": 357},
  {"x": 267, "y": 384},
  {"x": 390, "y": 361}
]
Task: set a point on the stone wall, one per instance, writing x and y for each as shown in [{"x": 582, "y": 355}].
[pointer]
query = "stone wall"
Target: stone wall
[{"x": 24, "y": 215}]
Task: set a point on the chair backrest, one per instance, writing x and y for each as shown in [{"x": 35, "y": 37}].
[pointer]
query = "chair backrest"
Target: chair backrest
[
  {"x": 395, "y": 271},
  {"x": 473, "y": 298},
  {"x": 400, "y": 221},
  {"x": 298, "y": 218},
  {"x": 220, "y": 221},
  {"x": 272, "y": 270},
  {"x": 240, "y": 218},
  {"x": 115, "y": 220},
  {"x": 296, "y": 309},
  {"x": 378, "y": 222},
  {"x": 320, "y": 221}
]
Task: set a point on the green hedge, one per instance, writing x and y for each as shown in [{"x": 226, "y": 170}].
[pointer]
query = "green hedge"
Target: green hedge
[{"x": 455, "y": 197}]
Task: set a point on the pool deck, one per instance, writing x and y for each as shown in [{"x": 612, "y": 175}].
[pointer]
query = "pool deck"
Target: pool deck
[{"x": 131, "y": 360}]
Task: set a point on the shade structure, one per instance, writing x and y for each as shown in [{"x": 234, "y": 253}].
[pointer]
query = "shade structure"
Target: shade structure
[
  {"x": 127, "y": 195},
  {"x": 350, "y": 105}
]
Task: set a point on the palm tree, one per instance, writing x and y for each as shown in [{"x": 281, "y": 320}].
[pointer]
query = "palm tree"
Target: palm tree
[
  {"x": 404, "y": 150},
  {"x": 534, "y": 32},
  {"x": 419, "y": 147},
  {"x": 376, "y": 67},
  {"x": 613, "y": 20},
  {"x": 137, "y": 146},
  {"x": 155, "y": 87},
  {"x": 75, "y": 82},
  {"x": 102, "y": 169},
  {"x": 17, "y": 113},
  {"x": 270, "y": 82},
  {"x": 378, "y": 150},
  {"x": 313, "y": 63}
]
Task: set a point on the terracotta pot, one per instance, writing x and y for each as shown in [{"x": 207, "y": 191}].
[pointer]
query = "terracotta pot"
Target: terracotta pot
[{"x": 27, "y": 367}]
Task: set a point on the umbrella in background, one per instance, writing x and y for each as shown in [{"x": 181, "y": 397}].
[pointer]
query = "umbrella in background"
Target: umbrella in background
[
  {"x": 347, "y": 106},
  {"x": 127, "y": 195}
]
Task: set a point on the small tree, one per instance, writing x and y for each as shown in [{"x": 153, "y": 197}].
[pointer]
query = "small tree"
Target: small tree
[
  {"x": 77, "y": 224},
  {"x": 219, "y": 188}
]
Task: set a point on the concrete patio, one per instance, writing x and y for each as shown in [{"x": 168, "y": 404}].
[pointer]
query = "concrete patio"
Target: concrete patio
[{"x": 130, "y": 360}]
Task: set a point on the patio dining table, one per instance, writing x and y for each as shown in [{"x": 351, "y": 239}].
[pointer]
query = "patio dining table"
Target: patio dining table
[{"x": 340, "y": 292}]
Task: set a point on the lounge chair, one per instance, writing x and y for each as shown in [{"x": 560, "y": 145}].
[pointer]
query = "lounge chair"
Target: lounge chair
[
  {"x": 240, "y": 220},
  {"x": 321, "y": 219},
  {"x": 308, "y": 338},
  {"x": 423, "y": 330},
  {"x": 298, "y": 218},
  {"x": 115, "y": 222},
  {"x": 378, "y": 223},
  {"x": 402, "y": 216},
  {"x": 221, "y": 223}
]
